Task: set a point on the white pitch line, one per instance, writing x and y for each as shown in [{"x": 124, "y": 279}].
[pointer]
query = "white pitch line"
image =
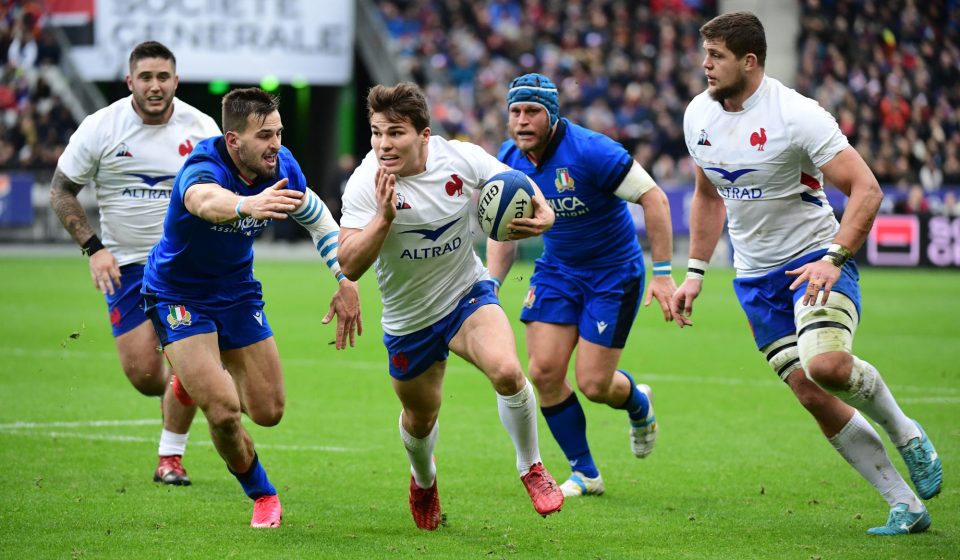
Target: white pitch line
[
  {"x": 84, "y": 424},
  {"x": 137, "y": 439}
]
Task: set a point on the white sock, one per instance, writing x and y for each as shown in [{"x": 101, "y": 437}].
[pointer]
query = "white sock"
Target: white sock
[
  {"x": 420, "y": 453},
  {"x": 870, "y": 394},
  {"x": 860, "y": 445},
  {"x": 172, "y": 444},
  {"x": 518, "y": 414}
]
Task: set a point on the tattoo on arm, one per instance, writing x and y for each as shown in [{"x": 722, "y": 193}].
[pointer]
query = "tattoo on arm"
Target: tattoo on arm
[{"x": 63, "y": 199}]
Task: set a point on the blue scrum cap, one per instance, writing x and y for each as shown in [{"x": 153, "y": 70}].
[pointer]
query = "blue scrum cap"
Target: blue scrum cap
[{"x": 535, "y": 88}]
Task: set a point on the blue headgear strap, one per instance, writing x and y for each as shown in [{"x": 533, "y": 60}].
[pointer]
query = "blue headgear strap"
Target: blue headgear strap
[{"x": 535, "y": 88}]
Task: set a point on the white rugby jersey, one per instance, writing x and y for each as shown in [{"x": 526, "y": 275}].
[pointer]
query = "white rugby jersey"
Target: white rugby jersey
[
  {"x": 764, "y": 162},
  {"x": 427, "y": 262},
  {"x": 132, "y": 166}
]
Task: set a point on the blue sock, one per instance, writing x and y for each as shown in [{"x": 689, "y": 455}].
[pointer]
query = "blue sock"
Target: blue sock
[
  {"x": 254, "y": 481},
  {"x": 637, "y": 405},
  {"x": 569, "y": 427}
]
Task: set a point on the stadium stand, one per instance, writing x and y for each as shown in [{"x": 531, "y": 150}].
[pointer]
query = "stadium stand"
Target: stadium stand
[
  {"x": 35, "y": 123},
  {"x": 624, "y": 70},
  {"x": 628, "y": 71},
  {"x": 890, "y": 72}
]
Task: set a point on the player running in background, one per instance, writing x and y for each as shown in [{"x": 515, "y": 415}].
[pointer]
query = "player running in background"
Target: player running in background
[
  {"x": 199, "y": 289},
  {"x": 400, "y": 214},
  {"x": 585, "y": 289},
  {"x": 131, "y": 151},
  {"x": 762, "y": 152}
]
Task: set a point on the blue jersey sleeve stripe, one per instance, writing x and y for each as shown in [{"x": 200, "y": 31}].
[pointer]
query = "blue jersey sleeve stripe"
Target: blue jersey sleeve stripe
[
  {"x": 332, "y": 262},
  {"x": 328, "y": 248},
  {"x": 327, "y": 237},
  {"x": 313, "y": 220},
  {"x": 306, "y": 209}
]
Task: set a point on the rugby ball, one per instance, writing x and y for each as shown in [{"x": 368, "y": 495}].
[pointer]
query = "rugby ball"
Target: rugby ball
[{"x": 503, "y": 197}]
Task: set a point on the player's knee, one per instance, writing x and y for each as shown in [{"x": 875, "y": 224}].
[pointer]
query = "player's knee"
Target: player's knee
[
  {"x": 545, "y": 377},
  {"x": 507, "y": 377},
  {"x": 808, "y": 393},
  {"x": 831, "y": 370},
  {"x": 595, "y": 389},
  {"x": 421, "y": 422},
  {"x": 148, "y": 378},
  {"x": 222, "y": 416},
  {"x": 266, "y": 412}
]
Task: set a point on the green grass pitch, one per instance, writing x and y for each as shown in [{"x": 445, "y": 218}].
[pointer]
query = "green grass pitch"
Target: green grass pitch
[{"x": 740, "y": 469}]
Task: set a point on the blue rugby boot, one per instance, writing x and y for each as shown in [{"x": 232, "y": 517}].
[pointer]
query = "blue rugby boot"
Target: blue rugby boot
[
  {"x": 922, "y": 460},
  {"x": 903, "y": 522}
]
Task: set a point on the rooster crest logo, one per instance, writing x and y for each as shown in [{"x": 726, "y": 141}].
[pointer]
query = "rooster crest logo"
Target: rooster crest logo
[{"x": 759, "y": 139}]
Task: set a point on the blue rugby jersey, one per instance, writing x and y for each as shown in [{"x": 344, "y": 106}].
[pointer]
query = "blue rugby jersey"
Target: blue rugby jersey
[
  {"x": 202, "y": 262},
  {"x": 579, "y": 172}
]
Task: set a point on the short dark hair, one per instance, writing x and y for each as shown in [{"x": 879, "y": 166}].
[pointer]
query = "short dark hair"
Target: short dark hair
[
  {"x": 241, "y": 103},
  {"x": 151, "y": 49},
  {"x": 741, "y": 32},
  {"x": 402, "y": 102}
]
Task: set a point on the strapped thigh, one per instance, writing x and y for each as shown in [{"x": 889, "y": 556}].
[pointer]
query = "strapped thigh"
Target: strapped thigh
[
  {"x": 782, "y": 355},
  {"x": 825, "y": 328}
]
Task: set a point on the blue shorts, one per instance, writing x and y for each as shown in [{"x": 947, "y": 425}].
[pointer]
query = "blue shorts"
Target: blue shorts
[
  {"x": 602, "y": 302},
  {"x": 768, "y": 301},
  {"x": 238, "y": 325},
  {"x": 125, "y": 306},
  {"x": 412, "y": 354}
]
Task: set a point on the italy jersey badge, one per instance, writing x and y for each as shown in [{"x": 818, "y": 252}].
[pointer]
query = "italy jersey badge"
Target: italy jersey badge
[
  {"x": 178, "y": 316},
  {"x": 564, "y": 181}
]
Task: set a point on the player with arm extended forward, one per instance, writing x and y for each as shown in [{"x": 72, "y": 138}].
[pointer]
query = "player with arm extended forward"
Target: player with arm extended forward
[
  {"x": 399, "y": 215},
  {"x": 762, "y": 153},
  {"x": 585, "y": 290},
  {"x": 131, "y": 151},
  {"x": 199, "y": 289}
]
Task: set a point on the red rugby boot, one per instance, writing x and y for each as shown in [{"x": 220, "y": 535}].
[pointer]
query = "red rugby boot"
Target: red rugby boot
[
  {"x": 546, "y": 496},
  {"x": 425, "y": 505}
]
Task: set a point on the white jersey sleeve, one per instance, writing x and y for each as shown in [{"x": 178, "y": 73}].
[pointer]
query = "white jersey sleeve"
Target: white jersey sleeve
[
  {"x": 81, "y": 158},
  {"x": 815, "y": 130},
  {"x": 359, "y": 203}
]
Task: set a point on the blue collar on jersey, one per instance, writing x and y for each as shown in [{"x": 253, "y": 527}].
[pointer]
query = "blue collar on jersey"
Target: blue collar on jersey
[
  {"x": 221, "y": 145},
  {"x": 554, "y": 142}
]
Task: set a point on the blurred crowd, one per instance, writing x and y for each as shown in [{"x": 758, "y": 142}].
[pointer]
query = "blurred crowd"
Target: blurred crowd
[
  {"x": 34, "y": 123},
  {"x": 888, "y": 69},
  {"x": 624, "y": 69}
]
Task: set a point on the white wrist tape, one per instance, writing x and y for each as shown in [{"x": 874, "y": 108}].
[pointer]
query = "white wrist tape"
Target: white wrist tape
[{"x": 314, "y": 216}]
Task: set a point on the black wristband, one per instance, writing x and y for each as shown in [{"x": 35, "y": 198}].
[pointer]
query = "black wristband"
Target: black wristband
[{"x": 91, "y": 246}]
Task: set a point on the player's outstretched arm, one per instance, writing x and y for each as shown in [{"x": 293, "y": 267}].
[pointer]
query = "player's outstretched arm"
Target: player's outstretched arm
[
  {"x": 707, "y": 215},
  {"x": 656, "y": 215},
  {"x": 104, "y": 270},
  {"x": 359, "y": 248},
  {"x": 218, "y": 205}
]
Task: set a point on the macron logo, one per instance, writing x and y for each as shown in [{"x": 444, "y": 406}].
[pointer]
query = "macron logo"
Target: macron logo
[
  {"x": 601, "y": 326},
  {"x": 259, "y": 317},
  {"x": 731, "y": 176},
  {"x": 433, "y": 234}
]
